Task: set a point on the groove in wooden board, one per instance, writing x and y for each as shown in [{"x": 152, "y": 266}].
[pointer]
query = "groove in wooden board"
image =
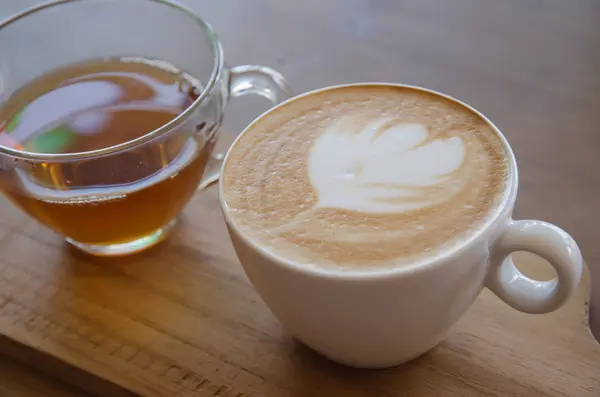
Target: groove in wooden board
[
  {"x": 31, "y": 384},
  {"x": 18, "y": 380}
]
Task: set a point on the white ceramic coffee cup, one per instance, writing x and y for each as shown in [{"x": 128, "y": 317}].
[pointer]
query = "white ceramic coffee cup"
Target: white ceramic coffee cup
[{"x": 381, "y": 318}]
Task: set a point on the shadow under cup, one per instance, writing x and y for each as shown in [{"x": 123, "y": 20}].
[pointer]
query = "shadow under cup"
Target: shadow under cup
[{"x": 124, "y": 197}]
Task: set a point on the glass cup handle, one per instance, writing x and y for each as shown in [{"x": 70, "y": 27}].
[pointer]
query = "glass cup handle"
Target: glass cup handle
[{"x": 244, "y": 80}]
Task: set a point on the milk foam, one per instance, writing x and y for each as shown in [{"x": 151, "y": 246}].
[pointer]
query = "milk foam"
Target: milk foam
[
  {"x": 365, "y": 176},
  {"x": 383, "y": 167}
]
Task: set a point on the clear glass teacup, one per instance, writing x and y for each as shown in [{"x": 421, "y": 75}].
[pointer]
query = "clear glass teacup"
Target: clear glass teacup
[{"x": 124, "y": 197}]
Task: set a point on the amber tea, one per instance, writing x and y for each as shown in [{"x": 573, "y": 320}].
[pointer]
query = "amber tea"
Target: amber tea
[{"x": 119, "y": 198}]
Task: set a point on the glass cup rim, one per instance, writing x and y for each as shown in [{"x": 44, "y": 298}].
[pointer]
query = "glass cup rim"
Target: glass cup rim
[{"x": 218, "y": 65}]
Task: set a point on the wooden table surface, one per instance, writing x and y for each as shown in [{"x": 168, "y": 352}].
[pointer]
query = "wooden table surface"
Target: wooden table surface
[{"x": 182, "y": 319}]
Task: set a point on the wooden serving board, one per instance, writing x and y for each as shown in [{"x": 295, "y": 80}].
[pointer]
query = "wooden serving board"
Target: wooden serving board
[{"x": 183, "y": 320}]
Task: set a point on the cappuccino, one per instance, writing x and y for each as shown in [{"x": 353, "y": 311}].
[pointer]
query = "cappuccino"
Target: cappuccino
[{"x": 365, "y": 176}]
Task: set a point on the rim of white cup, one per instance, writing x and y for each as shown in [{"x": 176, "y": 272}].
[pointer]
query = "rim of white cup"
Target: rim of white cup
[{"x": 356, "y": 273}]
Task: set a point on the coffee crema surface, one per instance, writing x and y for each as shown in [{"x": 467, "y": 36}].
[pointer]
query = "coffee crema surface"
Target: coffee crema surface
[{"x": 365, "y": 176}]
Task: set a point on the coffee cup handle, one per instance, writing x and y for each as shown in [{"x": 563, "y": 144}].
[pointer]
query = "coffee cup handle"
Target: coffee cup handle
[
  {"x": 549, "y": 242},
  {"x": 244, "y": 80}
]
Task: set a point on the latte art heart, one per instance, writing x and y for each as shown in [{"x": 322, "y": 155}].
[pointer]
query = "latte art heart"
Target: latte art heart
[
  {"x": 384, "y": 166},
  {"x": 365, "y": 176}
]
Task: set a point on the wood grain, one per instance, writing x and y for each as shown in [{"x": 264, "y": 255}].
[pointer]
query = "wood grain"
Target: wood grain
[
  {"x": 16, "y": 380},
  {"x": 182, "y": 319}
]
